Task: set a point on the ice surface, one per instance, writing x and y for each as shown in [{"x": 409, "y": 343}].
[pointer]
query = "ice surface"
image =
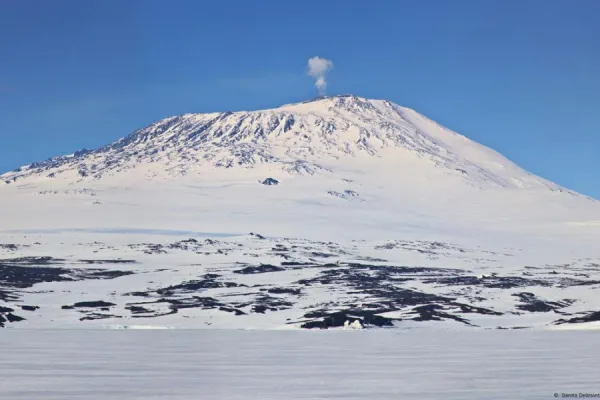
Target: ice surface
[{"x": 189, "y": 364}]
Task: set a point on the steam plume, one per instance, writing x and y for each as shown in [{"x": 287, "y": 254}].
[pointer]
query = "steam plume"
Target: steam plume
[{"x": 318, "y": 68}]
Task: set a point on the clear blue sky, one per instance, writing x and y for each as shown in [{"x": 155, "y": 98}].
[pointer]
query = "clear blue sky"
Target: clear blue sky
[{"x": 520, "y": 76}]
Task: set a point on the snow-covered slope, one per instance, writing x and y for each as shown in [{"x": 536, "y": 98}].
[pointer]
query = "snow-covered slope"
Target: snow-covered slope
[
  {"x": 360, "y": 210},
  {"x": 299, "y": 138}
]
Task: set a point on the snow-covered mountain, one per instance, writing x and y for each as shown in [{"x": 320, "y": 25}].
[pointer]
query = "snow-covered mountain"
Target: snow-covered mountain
[
  {"x": 303, "y": 138},
  {"x": 335, "y": 212}
]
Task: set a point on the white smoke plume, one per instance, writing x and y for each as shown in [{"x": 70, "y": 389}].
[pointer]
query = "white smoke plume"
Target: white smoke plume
[{"x": 318, "y": 68}]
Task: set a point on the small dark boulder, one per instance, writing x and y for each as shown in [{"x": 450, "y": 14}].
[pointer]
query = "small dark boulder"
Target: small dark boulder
[
  {"x": 270, "y": 182},
  {"x": 281, "y": 290},
  {"x": 89, "y": 304},
  {"x": 232, "y": 310},
  {"x": 259, "y": 269},
  {"x": 137, "y": 310}
]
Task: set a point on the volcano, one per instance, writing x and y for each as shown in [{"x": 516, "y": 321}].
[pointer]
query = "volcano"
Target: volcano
[{"x": 340, "y": 211}]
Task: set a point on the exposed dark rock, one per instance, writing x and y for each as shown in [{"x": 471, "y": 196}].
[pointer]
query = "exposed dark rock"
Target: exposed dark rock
[
  {"x": 27, "y": 271},
  {"x": 90, "y": 304},
  {"x": 95, "y": 316},
  {"x": 338, "y": 319},
  {"x": 260, "y": 269},
  {"x": 492, "y": 282},
  {"x": 36, "y": 261},
  {"x": 530, "y": 303},
  {"x": 232, "y": 310},
  {"x": 591, "y": 317},
  {"x": 115, "y": 261},
  {"x": 469, "y": 309},
  {"x": 205, "y": 303},
  {"x": 10, "y": 317},
  {"x": 7, "y": 316},
  {"x": 260, "y": 309},
  {"x": 321, "y": 255},
  {"x": 371, "y": 259},
  {"x": 29, "y": 308},
  {"x": 138, "y": 310},
  {"x": 207, "y": 281},
  {"x": 565, "y": 282},
  {"x": 264, "y": 302},
  {"x": 23, "y": 277},
  {"x": 138, "y": 294},
  {"x": 6, "y": 295},
  {"x": 81, "y": 153},
  {"x": 282, "y": 290},
  {"x": 101, "y": 274},
  {"x": 296, "y": 264},
  {"x": 150, "y": 248},
  {"x": 270, "y": 182},
  {"x": 346, "y": 195},
  {"x": 433, "y": 312}
]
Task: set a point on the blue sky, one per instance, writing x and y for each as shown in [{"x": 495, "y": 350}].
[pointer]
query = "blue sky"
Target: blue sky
[{"x": 520, "y": 76}]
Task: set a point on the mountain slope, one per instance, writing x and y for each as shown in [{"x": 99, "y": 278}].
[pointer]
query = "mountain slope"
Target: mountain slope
[
  {"x": 338, "y": 211},
  {"x": 305, "y": 138}
]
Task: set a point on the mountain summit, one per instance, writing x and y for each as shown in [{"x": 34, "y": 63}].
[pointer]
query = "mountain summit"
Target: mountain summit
[{"x": 310, "y": 137}]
